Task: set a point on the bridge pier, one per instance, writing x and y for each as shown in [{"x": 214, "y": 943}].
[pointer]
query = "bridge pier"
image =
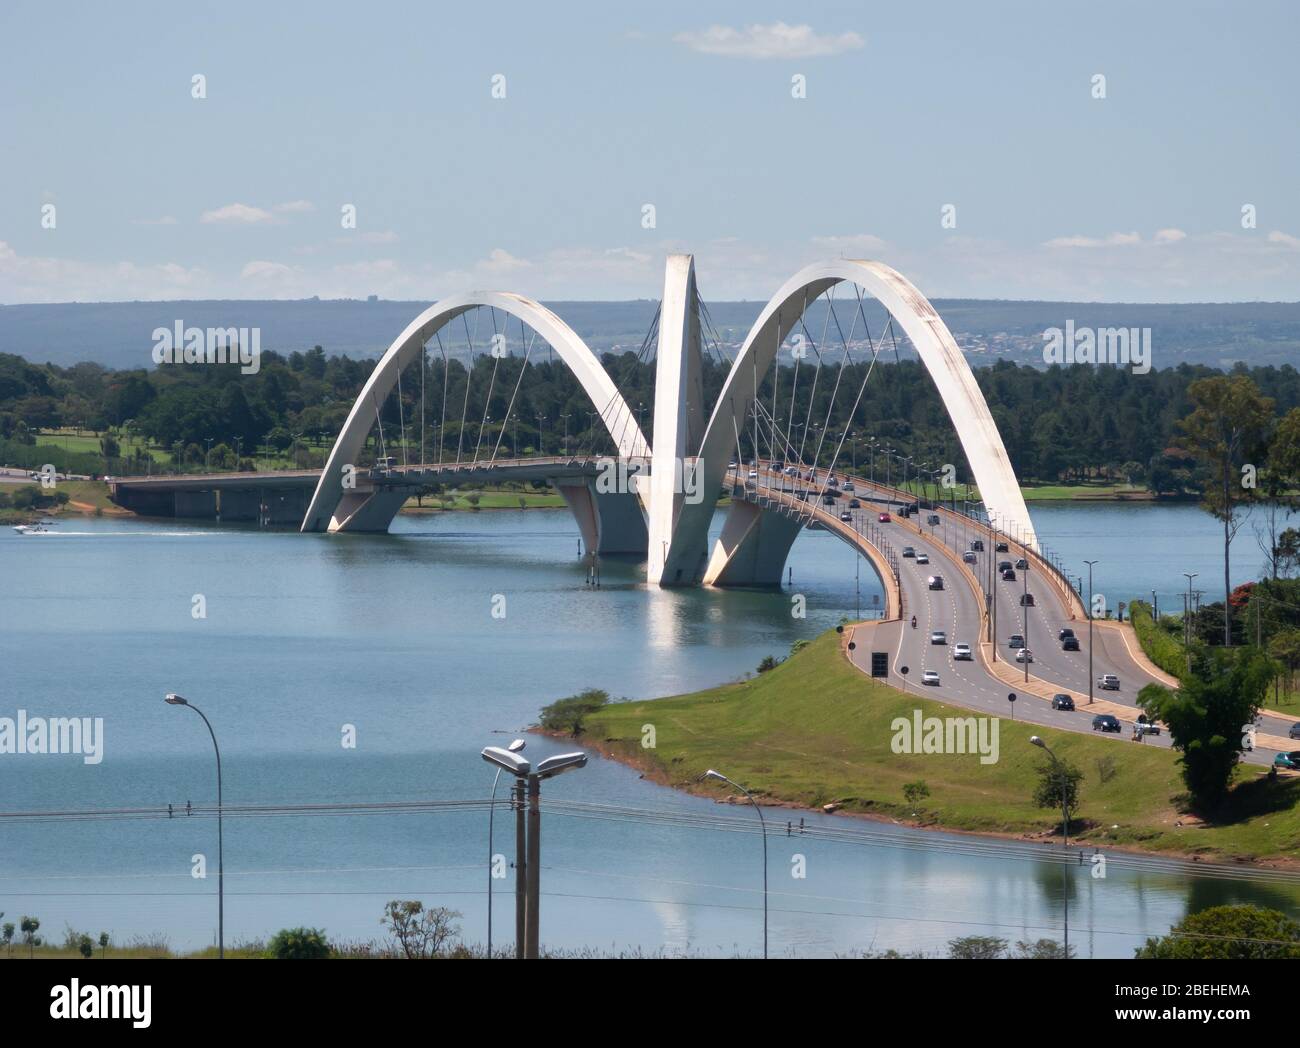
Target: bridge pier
[
  {"x": 752, "y": 547},
  {"x": 609, "y": 522},
  {"x": 368, "y": 511}
]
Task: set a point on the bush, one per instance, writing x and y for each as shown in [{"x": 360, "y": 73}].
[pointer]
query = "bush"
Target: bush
[
  {"x": 569, "y": 714},
  {"x": 1228, "y": 933},
  {"x": 298, "y": 944},
  {"x": 1161, "y": 648}
]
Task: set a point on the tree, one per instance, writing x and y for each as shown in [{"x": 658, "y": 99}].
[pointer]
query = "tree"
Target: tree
[
  {"x": 104, "y": 940},
  {"x": 1228, "y": 933},
  {"x": 86, "y": 946},
  {"x": 569, "y": 714},
  {"x": 1225, "y": 431},
  {"x": 298, "y": 944},
  {"x": 1208, "y": 715},
  {"x": 1042, "y": 950},
  {"x": 9, "y": 938},
  {"x": 915, "y": 792},
  {"x": 419, "y": 932},
  {"x": 1285, "y": 647},
  {"x": 1058, "y": 786},
  {"x": 976, "y": 948},
  {"x": 28, "y": 926}
]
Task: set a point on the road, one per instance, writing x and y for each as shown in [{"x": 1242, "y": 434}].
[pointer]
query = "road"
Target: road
[{"x": 984, "y": 682}]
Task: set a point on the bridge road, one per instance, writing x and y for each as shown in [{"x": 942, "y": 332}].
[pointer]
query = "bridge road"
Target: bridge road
[
  {"x": 1049, "y": 614},
  {"x": 956, "y": 610}
]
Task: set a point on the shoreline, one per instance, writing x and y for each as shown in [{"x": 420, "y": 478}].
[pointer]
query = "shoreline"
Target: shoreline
[{"x": 660, "y": 778}]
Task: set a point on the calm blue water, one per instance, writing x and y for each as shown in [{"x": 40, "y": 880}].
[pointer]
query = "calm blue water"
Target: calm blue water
[{"x": 394, "y": 635}]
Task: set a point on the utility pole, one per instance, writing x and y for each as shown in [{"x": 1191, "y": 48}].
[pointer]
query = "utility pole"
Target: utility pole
[{"x": 522, "y": 866}]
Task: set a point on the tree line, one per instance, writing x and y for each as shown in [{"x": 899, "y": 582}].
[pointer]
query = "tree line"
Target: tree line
[{"x": 1075, "y": 424}]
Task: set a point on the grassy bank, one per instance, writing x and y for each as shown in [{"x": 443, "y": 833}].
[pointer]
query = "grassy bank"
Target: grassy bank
[
  {"x": 1161, "y": 646},
  {"x": 815, "y": 731},
  {"x": 485, "y": 498}
]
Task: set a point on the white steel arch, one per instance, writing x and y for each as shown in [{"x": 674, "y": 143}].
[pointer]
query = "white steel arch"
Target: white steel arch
[
  {"x": 619, "y": 421},
  {"x": 939, "y": 352}
]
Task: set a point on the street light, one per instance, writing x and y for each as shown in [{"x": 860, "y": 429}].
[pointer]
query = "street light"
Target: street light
[
  {"x": 173, "y": 699},
  {"x": 526, "y": 776},
  {"x": 711, "y": 774},
  {"x": 1091, "y": 682},
  {"x": 1187, "y": 618},
  {"x": 1065, "y": 831},
  {"x": 514, "y": 747}
]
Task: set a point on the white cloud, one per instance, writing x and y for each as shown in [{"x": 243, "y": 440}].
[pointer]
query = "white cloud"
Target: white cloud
[
  {"x": 1112, "y": 240},
  {"x": 859, "y": 245},
  {"x": 35, "y": 278},
  {"x": 1285, "y": 239},
  {"x": 1169, "y": 236},
  {"x": 238, "y": 214},
  {"x": 262, "y": 270},
  {"x": 777, "y": 40}
]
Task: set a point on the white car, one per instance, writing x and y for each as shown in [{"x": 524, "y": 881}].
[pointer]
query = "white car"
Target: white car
[
  {"x": 968, "y": 557},
  {"x": 962, "y": 653},
  {"x": 930, "y": 677},
  {"x": 923, "y": 558},
  {"x": 1024, "y": 655},
  {"x": 938, "y": 637}
]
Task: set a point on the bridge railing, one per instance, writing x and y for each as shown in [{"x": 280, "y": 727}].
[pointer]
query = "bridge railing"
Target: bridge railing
[{"x": 803, "y": 503}]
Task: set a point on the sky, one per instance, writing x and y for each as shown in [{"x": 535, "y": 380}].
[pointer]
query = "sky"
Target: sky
[{"x": 518, "y": 147}]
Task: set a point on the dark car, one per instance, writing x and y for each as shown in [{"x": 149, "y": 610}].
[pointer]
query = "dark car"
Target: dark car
[
  {"x": 1295, "y": 730},
  {"x": 1022, "y": 564},
  {"x": 1016, "y": 641},
  {"x": 1105, "y": 722},
  {"x": 908, "y": 551},
  {"x": 978, "y": 545},
  {"x": 854, "y": 504},
  {"x": 1004, "y": 565},
  {"x": 1001, "y": 547},
  {"x": 1008, "y": 576},
  {"x": 1288, "y": 760},
  {"x": 1062, "y": 702},
  {"x": 1065, "y": 632},
  {"x": 936, "y": 582},
  {"x": 1070, "y": 644},
  {"x": 1026, "y": 600},
  {"x": 933, "y": 518}
]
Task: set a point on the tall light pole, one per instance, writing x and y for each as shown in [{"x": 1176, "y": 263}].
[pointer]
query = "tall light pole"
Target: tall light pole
[
  {"x": 1187, "y": 619},
  {"x": 526, "y": 779},
  {"x": 514, "y": 747},
  {"x": 1024, "y": 617},
  {"x": 173, "y": 699},
  {"x": 1091, "y": 683},
  {"x": 711, "y": 774},
  {"x": 1065, "y": 831}
]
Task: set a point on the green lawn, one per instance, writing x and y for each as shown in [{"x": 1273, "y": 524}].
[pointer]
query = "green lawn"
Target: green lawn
[
  {"x": 1040, "y": 492},
  {"x": 815, "y": 730},
  {"x": 488, "y": 498}
]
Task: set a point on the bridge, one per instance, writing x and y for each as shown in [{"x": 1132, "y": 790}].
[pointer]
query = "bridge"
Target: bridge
[
  {"x": 657, "y": 501},
  {"x": 656, "y": 498}
]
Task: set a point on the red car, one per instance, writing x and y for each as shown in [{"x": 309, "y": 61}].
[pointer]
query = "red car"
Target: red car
[{"x": 883, "y": 518}]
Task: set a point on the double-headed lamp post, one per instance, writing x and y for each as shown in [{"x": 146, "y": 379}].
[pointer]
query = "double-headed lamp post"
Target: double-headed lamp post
[
  {"x": 514, "y": 747},
  {"x": 530, "y": 864},
  {"x": 1065, "y": 831},
  {"x": 175, "y": 700},
  {"x": 711, "y": 774}
]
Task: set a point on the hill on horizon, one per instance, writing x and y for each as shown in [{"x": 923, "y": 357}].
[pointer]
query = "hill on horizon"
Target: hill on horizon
[{"x": 119, "y": 334}]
